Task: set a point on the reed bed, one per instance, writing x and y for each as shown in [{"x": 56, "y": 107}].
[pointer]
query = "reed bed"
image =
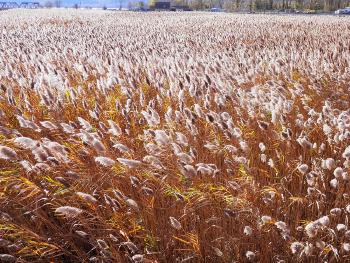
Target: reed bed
[{"x": 174, "y": 137}]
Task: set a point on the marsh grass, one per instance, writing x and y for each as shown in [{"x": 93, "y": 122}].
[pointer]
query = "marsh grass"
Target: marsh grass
[{"x": 148, "y": 138}]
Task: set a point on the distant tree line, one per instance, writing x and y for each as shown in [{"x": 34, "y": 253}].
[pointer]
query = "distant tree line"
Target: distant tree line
[
  {"x": 265, "y": 5},
  {"x": 237, "y": 5}
]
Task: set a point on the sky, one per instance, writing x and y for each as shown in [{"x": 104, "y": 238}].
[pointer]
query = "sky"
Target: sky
[{"x": 92, "y": 3}]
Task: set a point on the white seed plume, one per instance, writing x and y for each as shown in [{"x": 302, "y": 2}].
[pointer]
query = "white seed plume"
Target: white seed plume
[
  {"x": 175, "y": 223},
  {"x": 48, "y": 125},
  {"x": 85, "y": 124},
  {"x": 162, "y": 138},
  {"x": 138, "y": 258},
  {"x": 114, "y": 128},
  {"x": 181, "y": 139},
  {"x": 296, "y": 247},
  {"x": 329, "y": 163},
  {"x": 129, "y": 162},
  {"x": 311, "y": 229},
  {"x": 335, "y": 211},
  {"x": 347, "y": 209},
  {"x": 26, "y": 143},
  {"x": 303, "y": 168},
  {"x": 87, "y": 197},
  {"x": 324, "y": 220},
  {"x": 184, "y": 157},
  {"x": 68, "y": 211},
  {"x": 7, "y": 153},
  {"x": 250, "y": 255},
  {"x": 248, "y": 230},
  {"x": 346, "y": 153},
  {"x": 334, "y": 183},
  {"x": 308, "y": 249},
  {"x": 262, "y": 147},
  {"x": 121, "y": 147},
  {"x": 346, "y": 247},
  {"x": 132, "y": 203},
  {"x": 341, "y": 227},
  {"x": 338, "y": 172},
  {"x": 104, "y": 161},
  {"x": 67, "y": 128},
  {"x": 266, "y": 219}
]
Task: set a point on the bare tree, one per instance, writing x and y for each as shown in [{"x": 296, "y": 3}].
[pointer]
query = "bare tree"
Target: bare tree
[{"x": 48, "y": 4}]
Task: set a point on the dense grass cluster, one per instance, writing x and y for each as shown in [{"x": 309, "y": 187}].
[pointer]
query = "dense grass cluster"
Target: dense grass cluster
[{"x": 174, "y": 137}]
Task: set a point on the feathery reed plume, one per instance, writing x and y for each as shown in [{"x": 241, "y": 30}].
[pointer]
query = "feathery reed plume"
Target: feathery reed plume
[
  {"x": 7, "y": 153},
  {"x": 68, "y": 211}
]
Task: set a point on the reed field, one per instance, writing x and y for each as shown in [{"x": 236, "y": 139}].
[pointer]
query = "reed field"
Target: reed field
[{"x": 174, "y": 137}]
